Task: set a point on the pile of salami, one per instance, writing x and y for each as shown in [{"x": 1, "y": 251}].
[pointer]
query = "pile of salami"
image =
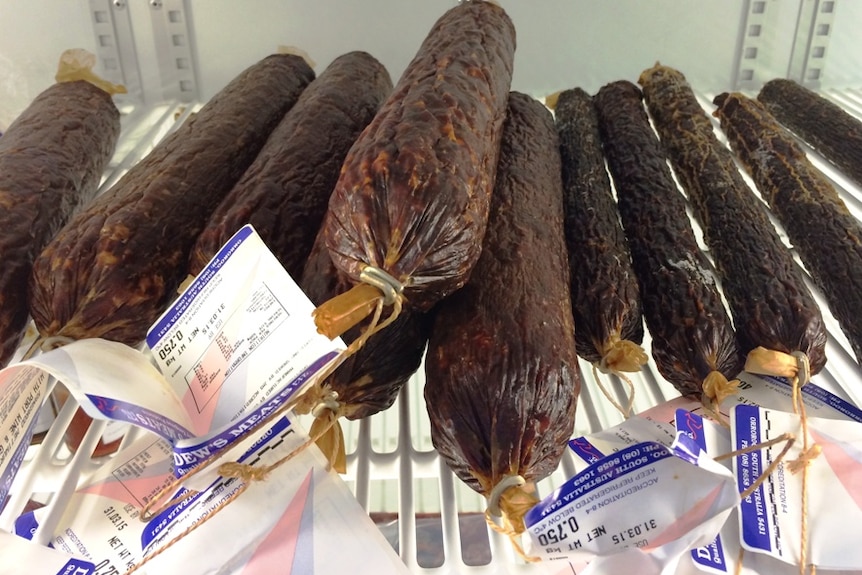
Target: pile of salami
[{"x": 503, "y": 241}]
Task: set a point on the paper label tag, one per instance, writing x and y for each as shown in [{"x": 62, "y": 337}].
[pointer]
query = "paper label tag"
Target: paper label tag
[
  {"x": 591, "y": 448},
  {"x": 22, "y": 393},
  {"x": 240, "y": 336},
  {"x": 713, "y": 440},
  {"x": 237, "y": 345},
  {"x": 776, "y": 393},
  {"x": 632, "y": 499},
  {"x": 284, "y": 524},
  {"x": 770, "y": 518}
]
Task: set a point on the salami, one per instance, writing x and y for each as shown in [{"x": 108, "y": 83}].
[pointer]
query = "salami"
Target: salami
[
  {"x": 605, "y": 298},
  {"x": 502, "y": 376},
  {"x": 770, "y": 304},
  {"x": 285, "y": 192},
  {"x": 115, "y": 266},
  {"x": 693, "y": 342},
  {"x": 412, "y": 199},
  {"x": 799, "y": 194},
  {"x": 51, "y": 161},
  {"x": 821, "y": 123}
]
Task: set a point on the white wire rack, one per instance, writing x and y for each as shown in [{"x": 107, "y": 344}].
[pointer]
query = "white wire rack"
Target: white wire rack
[{"x": 434, "y": 521}]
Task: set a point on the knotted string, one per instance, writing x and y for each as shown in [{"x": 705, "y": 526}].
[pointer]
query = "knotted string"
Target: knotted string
[
  {"x": 796, "y": 367},
  {"x": 619, "y": 355},
  {"x": 717, "y": 388},
  {"x": 510, "y": 503}
]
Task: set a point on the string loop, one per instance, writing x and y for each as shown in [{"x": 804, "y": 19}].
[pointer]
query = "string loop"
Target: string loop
[
  {"x": 504, "y": 484},
  {"x": 390, "y": 287}
]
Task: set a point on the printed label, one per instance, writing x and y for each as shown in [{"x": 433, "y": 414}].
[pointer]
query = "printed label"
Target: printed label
[
  {"x": 593, "y": 447},
  {"x": 632, "y": 499},
  {"x": 754, "y": 515},
  {"x": 710, "y": 557},
  {"x": 771, "y": 517}
]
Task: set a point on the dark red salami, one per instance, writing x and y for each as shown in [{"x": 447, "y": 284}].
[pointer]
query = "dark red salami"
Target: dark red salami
[
  {"x": 412, "y": 199},
  {"x": 502, "y": 375},
  {"x": 799, "y": 194},
  {"x": 51, "y": 161},
  {"x": 115, "y": 266}
]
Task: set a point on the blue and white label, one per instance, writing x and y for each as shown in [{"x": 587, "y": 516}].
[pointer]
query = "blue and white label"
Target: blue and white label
[
  {"x": 77, "y": 567},
  {"x": 748, "y": 467},
  {"x": 693, "y": 427},
  {"x": 632, "y": 498},
  {"x": 585, "y": 450},
  {"x": 188, "y": 455},
  {"x": 185, "y": 302}
]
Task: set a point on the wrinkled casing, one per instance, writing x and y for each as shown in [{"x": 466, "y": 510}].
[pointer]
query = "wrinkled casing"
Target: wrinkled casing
[
  {"x": 413, "y": 194},
  {"x": 502, "y": 375}
]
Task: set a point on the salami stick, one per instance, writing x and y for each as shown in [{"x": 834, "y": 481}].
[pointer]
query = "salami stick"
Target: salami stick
[
  {"x": 821, "y": 123},
  {"x": 285, "y": 191},
  {"x": 694, "y": 345},
  {"x": 605, "y": 298},
  {"x": 114, "y": 267},
  {"x": 412, "y": 199},
  {"x": 771, "y": 306},
  {"x": 51, "y": 161},
  {"x": 502, "y": 376},
  {"x": 826, "y": 235}
]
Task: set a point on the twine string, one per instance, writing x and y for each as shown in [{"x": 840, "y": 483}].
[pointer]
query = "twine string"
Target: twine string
[
  {"x": 717, "y": 388},
  {"x": 625, "y": 411},
  {"x": 494, "y": 509},
  {"x": 807, "y": 455}
]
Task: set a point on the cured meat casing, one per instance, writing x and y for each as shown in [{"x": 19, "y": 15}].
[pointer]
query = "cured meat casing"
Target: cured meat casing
[
  {"x": 605, "y": 299},
  {"x": 368, "y": 381},
  {"x": 51, "y": 161},
  {"x": 771, "y": 306},
  {"x": 692, "y": 335},
  {"x": 799, "y": 194},
  {"x": 116, "y": 265},
  {"x": 821, "y": 123},
  {"x": 502, "y": 376},
  {"x": 412, "y": 198}
]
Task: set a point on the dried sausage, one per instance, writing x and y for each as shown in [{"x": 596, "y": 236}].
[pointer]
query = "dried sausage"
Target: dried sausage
[
  {"x": 413, "y": 195},
  {"x": 502, "y": 375},
  {"x": 368, "y": 381},
  {"x": 799, "y": 194},
  {"x": 692, "y": 335},
  {"x": 770, "y": 304},
  {"x": 285, "y": 191},
  {"x": 821, "y": 123},
  {"x": 115, "y": 266},
  {"x": 51, "y": 161},
  {"x": 605, "y": 299}
]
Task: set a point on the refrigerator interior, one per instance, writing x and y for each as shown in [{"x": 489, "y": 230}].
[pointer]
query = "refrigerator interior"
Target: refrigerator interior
[{"x": 173, "y": 55}]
